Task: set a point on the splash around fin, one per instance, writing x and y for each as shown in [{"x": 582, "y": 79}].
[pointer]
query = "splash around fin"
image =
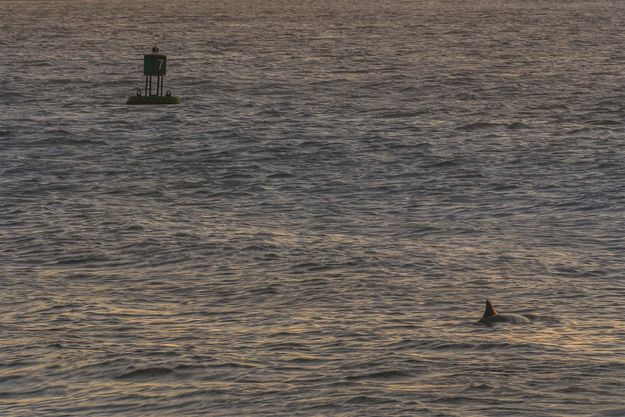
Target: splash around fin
[{"x": 491, "y": 316}]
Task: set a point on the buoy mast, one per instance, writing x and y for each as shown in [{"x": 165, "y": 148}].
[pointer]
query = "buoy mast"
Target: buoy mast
[{"x": 154, "y": 64}]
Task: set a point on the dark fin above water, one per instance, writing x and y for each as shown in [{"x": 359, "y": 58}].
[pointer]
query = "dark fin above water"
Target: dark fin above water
[
  {"x": 490, "y": 310},
  {"x": 491, "y": 316}
]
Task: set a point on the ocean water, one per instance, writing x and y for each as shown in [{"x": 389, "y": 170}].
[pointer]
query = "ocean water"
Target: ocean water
[{"x": 314, "y": 230}]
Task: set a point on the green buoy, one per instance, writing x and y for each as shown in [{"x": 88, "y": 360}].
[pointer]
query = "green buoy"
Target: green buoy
[{"x": 154, "y": 65}]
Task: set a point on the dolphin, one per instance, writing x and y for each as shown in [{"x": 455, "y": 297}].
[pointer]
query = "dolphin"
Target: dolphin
[{"x": 491, "y": 316}]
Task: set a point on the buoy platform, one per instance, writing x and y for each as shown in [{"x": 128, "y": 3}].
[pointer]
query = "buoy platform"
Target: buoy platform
[{"x": 153, "y": 100}]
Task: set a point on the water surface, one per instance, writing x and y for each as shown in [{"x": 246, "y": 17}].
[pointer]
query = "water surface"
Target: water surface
[{"x": 314, "y": 230}]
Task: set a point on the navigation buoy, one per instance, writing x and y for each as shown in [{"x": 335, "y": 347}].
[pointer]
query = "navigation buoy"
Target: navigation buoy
[{"x": 154, "y": 65}]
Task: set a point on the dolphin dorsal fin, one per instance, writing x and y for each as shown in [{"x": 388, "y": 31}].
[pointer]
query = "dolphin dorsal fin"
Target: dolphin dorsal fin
[{"x": 490, "y": 310}]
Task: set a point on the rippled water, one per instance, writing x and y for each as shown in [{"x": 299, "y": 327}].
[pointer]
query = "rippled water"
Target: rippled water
[{"x": 314, "y": 230}]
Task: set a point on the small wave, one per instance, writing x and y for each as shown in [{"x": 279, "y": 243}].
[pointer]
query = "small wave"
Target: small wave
[
  {"x": 80, "y": 260},
  {"x": 556, "y": 106},
  {"x": 226, "y": 365},
  {"x": 49, "y": 390},
  {"x": 443, "y": 164},
  {"x": 279, "y": 175},
  {"x": 367, "y": 399},
  {"x": 451, "y": 399},
  {"x": 453, "y": 346},
  {"x": 401, "y": 114},
  {"x": 269, "y": 112},
  {"x": 390, "y": 374},
  {"x": 6, "y": 378},
  {"x": 577, "y": 130},
  {"x": 146, "y": 373},
  {"x": 614, "y": 412},
  {"x": 286, "y": 346},
  {"x": 265, "y": 290},
  {"x": 502, "y": 345},
  {"x": 237, "y": 175},
  {"x": 187, "y": 367},
  {"x": 516, "y": 125},
  {"x": 504, "y": 187},
  {"x": 305, "y": 360},
  {"x": 311, "y": 267},
  {"x": 478, "y": 126},
  {"x": 256, "y": 248},
  {"x": 605, "y": 123},
  {"x": 476, "y": 387}
]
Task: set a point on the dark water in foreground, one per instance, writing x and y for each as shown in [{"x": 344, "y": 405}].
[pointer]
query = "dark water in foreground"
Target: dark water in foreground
[{"x": 314, "y": 230}]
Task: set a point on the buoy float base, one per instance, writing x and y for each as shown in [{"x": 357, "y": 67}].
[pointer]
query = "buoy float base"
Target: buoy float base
[{"x": 153, "y": 100}]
